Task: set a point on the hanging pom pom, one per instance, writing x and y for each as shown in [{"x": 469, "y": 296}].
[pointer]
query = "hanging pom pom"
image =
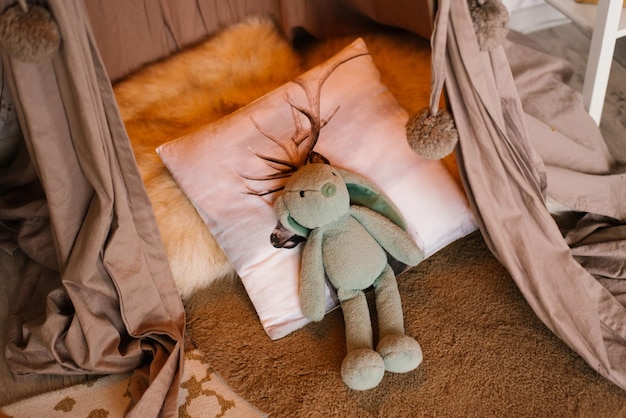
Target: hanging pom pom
[
  {"x": 28, "y": 34},
  {"x": 491, "y": 22},
  {"x": 432, "y": 136}
]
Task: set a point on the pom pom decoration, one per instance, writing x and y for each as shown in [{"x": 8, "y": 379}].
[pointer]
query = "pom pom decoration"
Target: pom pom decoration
[
  {"x": 432, "y": 136},
  {"x": 491, "y": 22},
  {"x": 28, "y": 34},
  {"x": 431, "y": 132}
]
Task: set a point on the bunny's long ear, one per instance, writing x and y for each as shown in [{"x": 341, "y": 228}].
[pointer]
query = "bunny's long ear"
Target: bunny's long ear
[
  {"x": 287, "y": 221},
  {"x": 364, "y": 192}
]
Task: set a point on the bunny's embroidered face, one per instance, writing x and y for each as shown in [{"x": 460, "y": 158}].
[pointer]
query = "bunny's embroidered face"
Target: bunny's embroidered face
[{"x": 316, "y": 195}]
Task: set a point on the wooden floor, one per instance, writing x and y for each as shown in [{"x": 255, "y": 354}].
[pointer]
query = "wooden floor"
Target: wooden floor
[{"x": 570, "y": 43}]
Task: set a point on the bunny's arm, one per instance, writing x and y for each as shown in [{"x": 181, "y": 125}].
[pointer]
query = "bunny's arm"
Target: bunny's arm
[
  {"x": 312, "y": 283},
  {"x": 389, "y": 236}
]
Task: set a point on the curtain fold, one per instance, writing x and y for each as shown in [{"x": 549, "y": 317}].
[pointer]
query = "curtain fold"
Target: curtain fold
[
  {"x": 102, "y": 301},
  {"x": 506, "y": 181},
  {"x": 132, "y": 33}
]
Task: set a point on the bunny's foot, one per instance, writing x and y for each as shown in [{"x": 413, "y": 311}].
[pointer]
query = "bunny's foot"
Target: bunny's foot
[
  {"x": 362, "y": 369},
  {"x": 400, "y": 353}
]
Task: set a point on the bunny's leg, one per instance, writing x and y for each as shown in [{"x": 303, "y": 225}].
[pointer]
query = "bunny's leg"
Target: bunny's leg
[
  {"x": 400, "y": 352},
  {"x": 362, "y": 368}
]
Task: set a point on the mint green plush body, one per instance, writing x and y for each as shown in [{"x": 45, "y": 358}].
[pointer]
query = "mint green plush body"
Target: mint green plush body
[
  {"x": 350, "y": 270},
  {"x": 348, "y": 244}
]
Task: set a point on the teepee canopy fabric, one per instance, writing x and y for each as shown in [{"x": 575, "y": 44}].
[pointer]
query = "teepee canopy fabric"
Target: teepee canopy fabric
[
  {"x": 136, "y": 32},
  {"x": 507, "y": 183},
  {"x": 97, "y": 296}
]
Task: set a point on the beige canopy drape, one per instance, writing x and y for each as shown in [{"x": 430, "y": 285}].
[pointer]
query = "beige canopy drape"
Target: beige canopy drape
[
  {"x": 514, "y": 152},
  {"x": 97, "y": 296},
  {"x": 135, "y": 32}
]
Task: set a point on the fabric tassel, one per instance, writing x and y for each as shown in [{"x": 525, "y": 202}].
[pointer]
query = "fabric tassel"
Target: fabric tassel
[
  {"x": 431, "y": 132},
  {"x": 28, "y": 34},
  {"x": 491, "y": 22},
  {"x": 433, "y": 136}
]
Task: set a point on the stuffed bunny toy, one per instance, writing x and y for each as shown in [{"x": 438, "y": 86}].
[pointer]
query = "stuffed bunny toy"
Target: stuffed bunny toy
[{"x": 348, "y": 244}]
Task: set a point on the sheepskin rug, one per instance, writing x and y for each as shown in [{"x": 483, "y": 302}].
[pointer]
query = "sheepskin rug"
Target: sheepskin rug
[{"x": 197, "y": 86}]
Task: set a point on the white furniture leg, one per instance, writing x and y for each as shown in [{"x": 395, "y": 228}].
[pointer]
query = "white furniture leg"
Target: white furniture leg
[{"x": 601, "y": 56}]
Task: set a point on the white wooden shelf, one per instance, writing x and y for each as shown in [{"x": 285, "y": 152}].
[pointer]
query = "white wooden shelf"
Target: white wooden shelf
[
  {"x": 606, "y": 23},
  {"x": 584, "y": 15}
]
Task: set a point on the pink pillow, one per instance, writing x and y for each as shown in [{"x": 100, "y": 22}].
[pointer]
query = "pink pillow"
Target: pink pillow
[{"x": 366, "y": 135}]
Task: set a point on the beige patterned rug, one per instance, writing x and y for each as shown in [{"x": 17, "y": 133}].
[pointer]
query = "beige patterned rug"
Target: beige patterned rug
[{"x": 202, "y": 394}]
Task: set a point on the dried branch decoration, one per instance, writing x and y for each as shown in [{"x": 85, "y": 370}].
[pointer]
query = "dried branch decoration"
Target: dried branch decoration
[{"x": 298, "y": 150}]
